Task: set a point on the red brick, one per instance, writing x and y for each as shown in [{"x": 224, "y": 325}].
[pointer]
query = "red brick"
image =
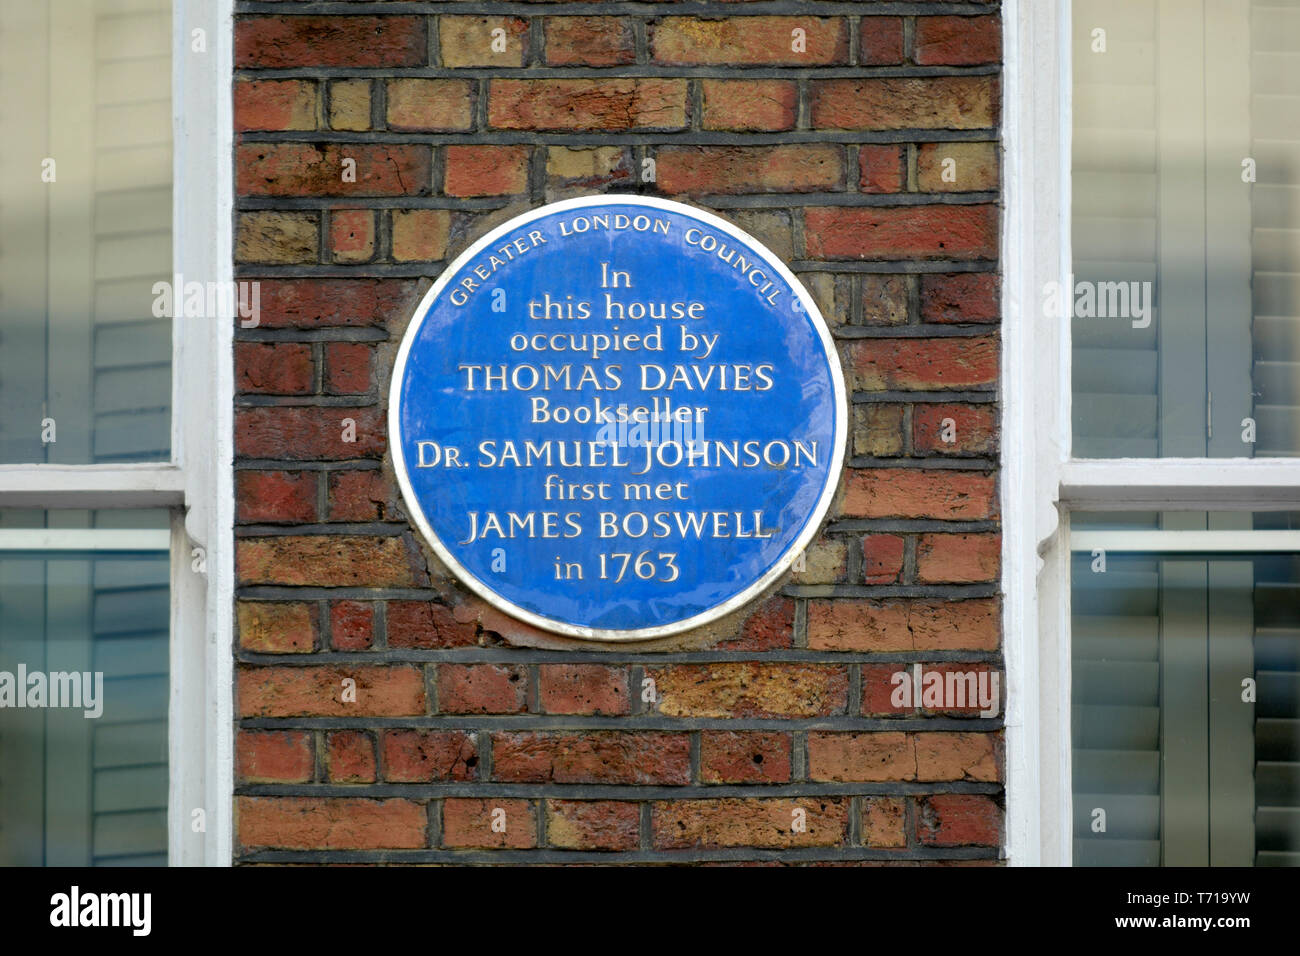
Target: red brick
[
  {"x": 485, "y": 170},
  {"x": 958, "y": 41},
  {"x": 301, "y": 169},
  {"x": 468, "y": 823},
  {"x": 482, "y": 689},
  {"x": 769, "y": 627},
  {"x": 946, "y": 495},
  {"x": 424, "y": 625},
  {"x": 881, "y": 169},
  {"x": 882, "y": 558},
  {"x": 959, "y": 819},
  {"x": 961, "y": 297},
  {"x": 724, "y": 170},
  {"x": 880, "y": 41},
  {"x": 959, "y": 756},
  {"x": 957, "y": 558},
  {"x": 351, "y": 625},
  {"x": 274, "y": 42},
  {"x": 275, "y": 756},
  {"x": 861, "y": 757},
  {"x": 428, "y": 756},
  {"x": 751, "y": 757},
  {"x": 382, "y": 691},
  {"x": 589, "y": 41},
  {"x": 325, "y": 561},
  {"x": 593, "y": 824},
  {"x": 887, "y": 103},
  {"x": 958, "y": 362},
  {"x": 750, "y": 105},
  {"x": 904, "y": 625},
  {"x": 281, "y": 368},
  {"x": 607, "y": 757},
  {"x": 975, "y": 429},
  {"x": 350, "y": 757},
  {"x": 887, "y": 694},
  {"x": 707, "y": 824},
  {"x": 334, "y": 303},
  {"x": 360, "y": 496},
  {"x": 583, "y": 689},
  {"x": 879, "y": 682},
  {"x": 884, "y": 822},
  {"x": 309, "y": 433},
  {"x": 347, "y": 368},
  {"x": 275, "y": 497},
  {"x": 902, "y": 232},
  {"x": 749, "y": 40},
  {"x": 352, "y": 235},
  {"x": 320, "y": 823},
  {"x": 275, "y": 105},
  {"x": 580, "y": 104},
  {"x": 275, "y": 627},
  {"x": 417, "y": 104}
]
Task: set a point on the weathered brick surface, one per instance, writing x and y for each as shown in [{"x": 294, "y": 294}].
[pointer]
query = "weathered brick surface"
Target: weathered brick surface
[
  {"x": 593, "y": 824},
  {"x": 862, "y": 146},
  {"x": 322, "y": 823},
  {"x": 275, "y": 756}
]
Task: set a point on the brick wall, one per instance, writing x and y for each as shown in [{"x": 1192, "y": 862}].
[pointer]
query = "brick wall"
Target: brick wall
[{"x": 863, "y": 152}]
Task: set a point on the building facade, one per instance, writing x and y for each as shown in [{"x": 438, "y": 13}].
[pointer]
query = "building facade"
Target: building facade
[{"x": 1049, "y": 617}]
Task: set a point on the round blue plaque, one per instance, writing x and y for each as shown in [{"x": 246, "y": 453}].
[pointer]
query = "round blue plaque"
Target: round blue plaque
[{"x": 617, "y": 417}]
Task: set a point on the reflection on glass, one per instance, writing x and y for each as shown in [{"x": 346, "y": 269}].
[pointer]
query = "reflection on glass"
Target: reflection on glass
[
  {"x": 85, "y": 231},
  {"x": 84, "y": 650},
  {"x": 1185, "y": 698},
  {"x": 1185, "y": 299}
]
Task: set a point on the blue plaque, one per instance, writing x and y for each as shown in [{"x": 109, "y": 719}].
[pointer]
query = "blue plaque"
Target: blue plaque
[{"x": 617, "y": 417}]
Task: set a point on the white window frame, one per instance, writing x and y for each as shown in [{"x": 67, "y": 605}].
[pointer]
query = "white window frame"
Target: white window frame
[
  {"x": 1040, "y": 483},
  {"x": 197, "y": 484}
]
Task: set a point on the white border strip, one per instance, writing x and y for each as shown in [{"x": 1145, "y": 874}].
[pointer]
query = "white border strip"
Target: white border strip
[
  {"x": 91, "y": 486},
  {"x": 1170, "y": 541},
  {"x": 201, "y": 711},
  {"x": 811, "y": 527},
  {"x": 1035, "y": 430},
  {"x": 84, "y": 539},
  {"x": 1182, "y": 484}
]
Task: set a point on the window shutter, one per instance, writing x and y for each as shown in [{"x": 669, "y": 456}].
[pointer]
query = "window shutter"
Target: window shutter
[
  {"x": 1116, "y": 705},
  {"x": 1115, "y": 408},
  {"x": 132, "y": 205}
]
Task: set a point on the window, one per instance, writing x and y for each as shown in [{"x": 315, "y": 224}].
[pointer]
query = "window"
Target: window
[
  {"x": 1185, "y": 663},
  {"x": 83, "y": 776},
  {"x": 115, "y": 576},
  {"x": 1152, "y": 399}
]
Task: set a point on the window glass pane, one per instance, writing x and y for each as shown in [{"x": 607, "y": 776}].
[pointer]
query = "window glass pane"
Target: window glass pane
[
  {"x": 1185, "y": 693},
  {"x": 84, "y": 631},
  {"x": 85, "y": 230},
  {"x": 1184, "y": 303}
]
